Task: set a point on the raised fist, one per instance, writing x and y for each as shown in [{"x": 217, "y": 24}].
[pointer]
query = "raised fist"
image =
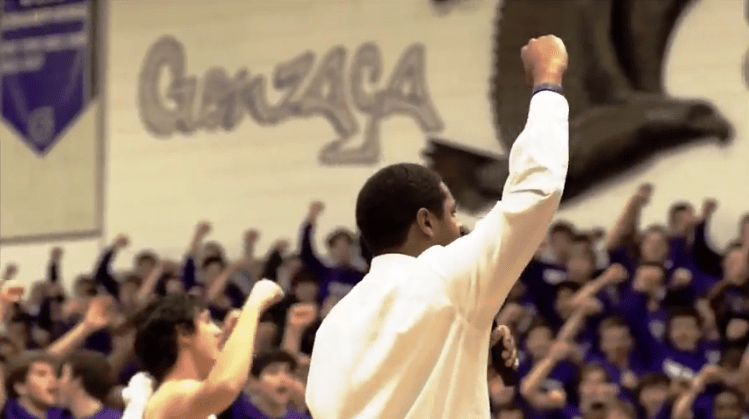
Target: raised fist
[
  {"x": 10, "y": 271},
  {"x": 708, "y": 207},
  {"x": 56, "y": 253},
  {"x": 315, "y": 209},
  {"x": 122, "y": 241},
  {"x": 202, "y": 229},
  {"x": 644, "y": 192},
  {"x": 265, "y": 293},
  {"x": 251, "y": 236},
  {"x": 544, "y": 60}
]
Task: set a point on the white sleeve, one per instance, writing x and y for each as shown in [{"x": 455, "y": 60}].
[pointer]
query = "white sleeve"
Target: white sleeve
[{"x": 479, "y": 269}]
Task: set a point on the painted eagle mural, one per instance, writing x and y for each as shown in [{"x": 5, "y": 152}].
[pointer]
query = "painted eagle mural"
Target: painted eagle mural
[{"x": 620, "y": 114}]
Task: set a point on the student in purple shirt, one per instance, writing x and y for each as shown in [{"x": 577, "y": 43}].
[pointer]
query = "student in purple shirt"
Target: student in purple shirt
[
  {"x": 617, "y": 354},
  {"x": 684, "y": 351},
  {"x": 538, "y": 343},
  {"x": 651, "y": 297},
  {"x": 31, "y": 387},
  {"x": 84, "y": 384},
  {"x": 652, "y": 394},
  {"x": 725, "y": 402},
  {"x": 337, "y": 280},
  {"x": 275, "y": 381}
]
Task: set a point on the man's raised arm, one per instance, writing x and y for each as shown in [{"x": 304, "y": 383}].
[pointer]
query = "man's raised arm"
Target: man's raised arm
[{"x": 482, "y": 266}]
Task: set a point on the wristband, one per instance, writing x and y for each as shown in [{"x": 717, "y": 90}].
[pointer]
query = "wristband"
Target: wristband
[{"x": 548, "y": 87}]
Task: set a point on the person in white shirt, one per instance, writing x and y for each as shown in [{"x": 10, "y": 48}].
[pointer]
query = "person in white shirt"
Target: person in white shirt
[{"x": 411, "y": 339}]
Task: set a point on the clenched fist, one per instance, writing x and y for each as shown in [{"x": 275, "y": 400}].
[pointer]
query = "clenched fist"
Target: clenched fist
[{"x": 545, "y": 60}]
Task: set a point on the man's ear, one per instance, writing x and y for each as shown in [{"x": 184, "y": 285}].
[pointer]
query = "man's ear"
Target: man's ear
[
  {"x": 183, "y": 337},
  {"x": 425, "y": 222}
]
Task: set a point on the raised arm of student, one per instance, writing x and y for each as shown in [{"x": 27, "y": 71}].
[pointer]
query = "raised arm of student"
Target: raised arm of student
[
  {"x": 482, "y": 266},
  {"x": 199, "y": 399}
]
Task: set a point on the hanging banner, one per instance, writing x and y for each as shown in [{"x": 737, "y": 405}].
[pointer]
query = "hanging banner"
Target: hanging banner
[
  {"x": 45, "y": 68},
  {"x": 48, "y": 185}
]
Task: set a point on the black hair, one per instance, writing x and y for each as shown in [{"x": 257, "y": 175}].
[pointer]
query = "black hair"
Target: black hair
[
  {"x": 613, "y": 321},
  {"x": 685, "y": 311},
  {"x": 538, "y": 323},
  {"x": 158, "y": 328},
  {"x": 94, "y": 371},
  {"x": 304, "y": 275},
  {"x": 567, "y": 285},
  {"x": 18, "y": 368},
  {"x": 264, "y": 360},
  {"x": 214, "y": 259},
  {"x": 562, "y": 227},
  {"x": 659, "y": 266},
  {"x": 340, "y": 233},
  {"x": 589, "y": 368},
  {"x": 676, "y": 208},
  {"x": 389, "y": 201},
  {"x": 740, "y": 396},
  {"x": 146, "y": 256},
  {"x": 649, "y": 380},
  {"x": 133, "y": 279}
]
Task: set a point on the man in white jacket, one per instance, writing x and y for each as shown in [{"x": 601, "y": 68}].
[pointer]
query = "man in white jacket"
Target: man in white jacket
[{"x": 411, "y": 340}]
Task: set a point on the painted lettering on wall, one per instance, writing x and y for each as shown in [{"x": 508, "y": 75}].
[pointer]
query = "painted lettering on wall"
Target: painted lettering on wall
[{"x": 307, "y": 92}]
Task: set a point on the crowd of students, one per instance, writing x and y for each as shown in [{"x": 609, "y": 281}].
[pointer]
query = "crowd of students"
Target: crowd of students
[{"x": 632, "y": 323}]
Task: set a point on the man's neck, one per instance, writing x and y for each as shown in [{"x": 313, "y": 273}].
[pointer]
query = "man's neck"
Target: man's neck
[
  {"x": 267, "y": 408},
  {"x": 184, "y": 369},
  {"x": 32, "y": 409},
  {"x": 85, "y": 406}
]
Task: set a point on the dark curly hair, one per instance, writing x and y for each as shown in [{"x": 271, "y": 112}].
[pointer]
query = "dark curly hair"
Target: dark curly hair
[{"x": 158, "y": 325}]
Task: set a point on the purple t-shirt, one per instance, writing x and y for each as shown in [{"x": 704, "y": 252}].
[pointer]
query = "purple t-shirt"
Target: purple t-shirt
[
  {"x": 242, "y": 408},
  {"x": 104, "y": 413},
  {"x": 14, "y": 410}
]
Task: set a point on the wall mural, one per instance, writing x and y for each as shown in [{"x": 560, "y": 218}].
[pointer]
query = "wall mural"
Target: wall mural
[{"x": 620, "y": 114}]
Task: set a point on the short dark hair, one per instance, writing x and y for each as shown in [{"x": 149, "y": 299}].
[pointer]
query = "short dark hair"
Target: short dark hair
[
  {"x": 389, "y": 200},
  {"x": 613, "y": 321},
  {"x": 94, "y": 371},
  {"x": 684, "y": 311},
  {"x": 564, "y": 227},
  {"x": 651, "y": 379},
  {"x": 567, "y": 285},
  {"x": 592, "y": 367},
  {"x": 213, "y": 259},
  {"x": 676, "y": 208},
  {"x": 18, "y": 368},
  {"x": 340, "y": 233},
  {"x": 158, "y": 326},
  {"x": 538, "y": 323},
  {"x": 303, "y": 275},
  {"x": 145, "y": 256},
  {"x": 264, "y": 360}
]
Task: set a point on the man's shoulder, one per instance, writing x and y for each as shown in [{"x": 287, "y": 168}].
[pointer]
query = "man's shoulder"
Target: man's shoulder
[{"x": 167, "y": 396}]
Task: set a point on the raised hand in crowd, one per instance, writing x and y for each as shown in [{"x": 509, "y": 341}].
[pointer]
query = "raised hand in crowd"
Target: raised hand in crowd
[
  {"x": 10, "y": 272},
  {"x": 315, "y": 209}
]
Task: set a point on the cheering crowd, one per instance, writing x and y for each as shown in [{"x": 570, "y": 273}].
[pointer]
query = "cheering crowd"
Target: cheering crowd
[{"x": 629, "y": 323}]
